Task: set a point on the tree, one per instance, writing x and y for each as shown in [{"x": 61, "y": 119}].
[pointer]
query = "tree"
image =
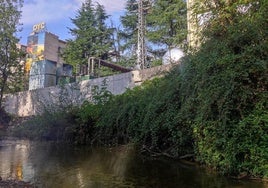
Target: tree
[
  {"x": 92, "y": 38},
  {"x": 167, "y": 25},
  {"x": 129, "y": 33},
  {"x": 116, "y": 41},
  {"x": 10, "y": 68},
  {"x": 214, "y": 17},
  {"x": 105, "y": 33}
]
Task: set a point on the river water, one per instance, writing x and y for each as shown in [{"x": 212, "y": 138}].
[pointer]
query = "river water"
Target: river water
[{"x": 52, "y": 165}]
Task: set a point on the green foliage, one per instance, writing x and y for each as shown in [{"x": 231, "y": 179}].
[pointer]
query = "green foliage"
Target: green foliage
[
  {"x": 101, "y": 95},
  {"x": 214, "y": 104},
  {"x": 156, "y": 62},
  {"x": 229, "y": 90},
  {"x": 92, "y": 38},
  {"x": 56, "y": 126},
  {"x": 150, "y": 120},
  {"x": 4, "y": 118},
  {"x": 103, "y": 71},
  {"x": 165, "y": 27},
  {"x": 129, "y": 22},
  {"x": 220, "y": 15},
  {"x": 167, "y": 23},
  {"x": 86, "y": 131},
  {"x": 248, "y": 143},
  {"x": 10, "y": 68}
]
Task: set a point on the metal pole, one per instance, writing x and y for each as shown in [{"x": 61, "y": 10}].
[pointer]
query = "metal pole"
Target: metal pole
[
  {"x": 92, "y": 65},
  {"x": 141, "y": 52},
  {"x": 88, "y": 65}
]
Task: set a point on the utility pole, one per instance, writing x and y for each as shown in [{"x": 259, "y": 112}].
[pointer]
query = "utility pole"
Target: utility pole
[{"x": 143, "y": 6}]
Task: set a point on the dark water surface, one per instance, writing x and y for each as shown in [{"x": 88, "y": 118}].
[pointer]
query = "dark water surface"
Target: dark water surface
[{"x": 55, "y": 165}]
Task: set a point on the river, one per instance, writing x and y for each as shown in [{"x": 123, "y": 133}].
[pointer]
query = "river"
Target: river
[{"x": 50, "y": 165}]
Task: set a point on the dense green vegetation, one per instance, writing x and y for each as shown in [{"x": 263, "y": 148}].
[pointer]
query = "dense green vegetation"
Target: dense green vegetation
[
  {"x": 230, "y": 76},
  {"x": 92, "y": 37},
  {"x": 10, "y": 68},
  {"x": 166, "y": 27},
  {"x": 211, "y": 107},
  {"x": 167, "y": 24},
  {"x": 214, "y": 105}
]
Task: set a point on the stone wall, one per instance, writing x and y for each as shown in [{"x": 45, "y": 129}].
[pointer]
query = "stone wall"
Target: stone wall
[{"x": 33, "y": 102}]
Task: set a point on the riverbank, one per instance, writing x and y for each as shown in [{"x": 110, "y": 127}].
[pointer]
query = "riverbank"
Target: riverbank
[
  {"x": 15, "y": 183},
  {"x": 188, "y": 159},
  {"x": 213, "y": 106},
  {"x": 47, "y": 164},
  {"x": 162, "y": 116},
  {"x": 10, "y": 123}
]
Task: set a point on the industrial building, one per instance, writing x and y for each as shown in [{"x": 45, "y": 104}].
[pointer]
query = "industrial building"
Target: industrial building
[{"x": 44, "y": 64}]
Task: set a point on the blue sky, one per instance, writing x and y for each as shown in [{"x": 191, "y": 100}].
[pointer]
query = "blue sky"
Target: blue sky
[{"x": 57, "y": 13}]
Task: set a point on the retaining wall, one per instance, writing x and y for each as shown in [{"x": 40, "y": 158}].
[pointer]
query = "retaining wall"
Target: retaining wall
[{"x": 33, "y": 102}]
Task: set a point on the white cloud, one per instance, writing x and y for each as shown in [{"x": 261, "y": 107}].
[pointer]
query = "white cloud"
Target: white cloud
[
  {"x": 112, "y": 5},
  {"x": 57, "y": 13},
  {"x": 35, "y": 11}
]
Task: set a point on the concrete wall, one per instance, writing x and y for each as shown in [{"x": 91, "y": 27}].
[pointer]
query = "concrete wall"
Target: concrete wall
[
  {"x": 33, "y": 102},
  {"x": 51, "y": 51},
  {"x": 147, "y": 74}
]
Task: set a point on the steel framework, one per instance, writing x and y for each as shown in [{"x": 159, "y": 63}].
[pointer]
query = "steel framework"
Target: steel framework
[{"x": 143, "y": 6}]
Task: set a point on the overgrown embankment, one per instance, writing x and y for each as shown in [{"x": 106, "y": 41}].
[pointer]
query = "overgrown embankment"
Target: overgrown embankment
[
  {"x": 209, "y": 106},
  {"x": 215, "y": 106}
]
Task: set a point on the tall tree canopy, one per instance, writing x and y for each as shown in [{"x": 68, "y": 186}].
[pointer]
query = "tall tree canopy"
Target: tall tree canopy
[
  {"x": 166, "y": 26},
  {"x": 129, "y": 33},
  {"x": 92, "y": 37},
  {"x": 215, "y": 18},
  {"x": 167, "y": 23},
  {"x": 10, "y": 68}
]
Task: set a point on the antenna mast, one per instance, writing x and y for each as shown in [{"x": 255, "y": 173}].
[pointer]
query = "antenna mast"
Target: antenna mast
[{"x": 141, "y": 49}]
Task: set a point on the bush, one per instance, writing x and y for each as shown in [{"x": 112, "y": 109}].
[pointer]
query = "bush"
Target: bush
[
  {"x": 247, "y": 148},
  {"x": 228, "y": 78},
  {"x": 56, "y": 126},
  {"x": 147, "y": 115},
  {"x": 4, "y": 117}
]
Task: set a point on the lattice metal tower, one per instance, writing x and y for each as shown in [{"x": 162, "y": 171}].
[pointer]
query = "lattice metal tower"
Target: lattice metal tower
[{"x": 143, "y": 6}]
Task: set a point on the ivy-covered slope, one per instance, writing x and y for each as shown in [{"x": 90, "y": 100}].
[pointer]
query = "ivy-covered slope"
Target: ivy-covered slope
[{"x": 214, "y": 105}]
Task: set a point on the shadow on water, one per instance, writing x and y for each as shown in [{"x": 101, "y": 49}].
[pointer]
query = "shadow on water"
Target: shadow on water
[{"x": 56, "y": 165}]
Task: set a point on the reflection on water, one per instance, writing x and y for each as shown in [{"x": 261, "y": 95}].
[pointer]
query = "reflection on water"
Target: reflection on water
[
  {"x": 14, "y": 160},
  {"x": 49, "y": 165}
]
